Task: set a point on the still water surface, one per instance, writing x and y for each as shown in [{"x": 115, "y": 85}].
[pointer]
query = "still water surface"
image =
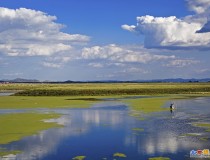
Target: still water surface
[{"x": 107, "y": 128}]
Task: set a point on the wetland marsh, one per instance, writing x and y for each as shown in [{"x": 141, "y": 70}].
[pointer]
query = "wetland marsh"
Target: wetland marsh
[{"x": 103, "y": 127}]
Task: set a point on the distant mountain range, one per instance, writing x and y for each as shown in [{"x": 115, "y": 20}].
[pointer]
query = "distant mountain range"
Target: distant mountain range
[
  {"x": 172, "y": 80},
  {"x": 20, "y": 80}
]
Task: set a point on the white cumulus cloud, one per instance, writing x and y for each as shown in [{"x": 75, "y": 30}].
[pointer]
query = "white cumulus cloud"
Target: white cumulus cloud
[
  {"x": 56, "y": 61},
  {"x": 192, "y": 31},
  {"x": 199, "y": 6},
  {"x": 170, "y": 32},
  {"x": 202, "y": 9},
  {"x": 135, "y": 70},
  {"x": 51, "y": 65},
  {"x": 182, "y": 63},
  {"x": 26, "y": 32},
  {"x": 205, "y": 28},
  {"x": 131, "y": 28},
  {"x": 96, "y": 65},
  {"x": 122, "y": 54}
]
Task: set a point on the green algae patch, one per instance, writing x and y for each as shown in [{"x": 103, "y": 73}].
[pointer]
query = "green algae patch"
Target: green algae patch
[
  {"x": 159, "y": 158},
  {"x": 204, "y": 138},
  {"x": 137, "y": 115},
  {"x": 79, "y": 158},
  {"x": 148, "y": 105},
  {"x": 203, "y": 125},
  {"x": 122, "y": 155},
  {"x": 16, "y": 126},
  {"x": 198, "y": 135},
  {"x": 22, "y": 102},
  {"x": 138, "y": 129},
  {"x": 4, "y": 152}
]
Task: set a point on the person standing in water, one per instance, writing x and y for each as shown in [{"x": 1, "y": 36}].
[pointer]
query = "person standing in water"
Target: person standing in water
[{"x": 172, "y": 107}]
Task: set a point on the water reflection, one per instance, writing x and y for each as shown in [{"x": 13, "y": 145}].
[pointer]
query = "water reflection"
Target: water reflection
[
  {"x": 106, "y": 128},
  {"x": 162, "y": 142},
  {"x": 77, "y": 122}
]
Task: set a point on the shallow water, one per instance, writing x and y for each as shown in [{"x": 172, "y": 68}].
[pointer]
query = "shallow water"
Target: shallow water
[
  {"x": 6, "y": 93},
  {"x": 107, "y": 128}
]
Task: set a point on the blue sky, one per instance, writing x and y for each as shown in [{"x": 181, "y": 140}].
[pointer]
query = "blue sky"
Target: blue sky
[
  {"x": 100, "y": 40},
  {"x": 100, "y": 19}
]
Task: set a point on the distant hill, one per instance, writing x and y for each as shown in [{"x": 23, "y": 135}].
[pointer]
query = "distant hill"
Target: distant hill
[
  {"x": 172, "y": 80},
  {"x": 178, "y": 80},
  {"x": 21, "y": 80}
]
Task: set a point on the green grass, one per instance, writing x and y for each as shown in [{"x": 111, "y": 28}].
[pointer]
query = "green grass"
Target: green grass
[
  {"x": 138, "y": 105},
  {"x": 20, "y": 102},
  {"x": 93, "y": 89},
  {"x": 159, "y": 158},
  {"x": 16, "y": 126},
  {"x": 4, "y": 152}
]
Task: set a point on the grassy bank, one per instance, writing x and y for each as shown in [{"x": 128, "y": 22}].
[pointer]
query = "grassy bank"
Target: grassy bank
[
  {"x": 104, "y": 89},
  {"x": 16, "y": 126},
  {"x": 22, "y": 102},
  {"x": 4, "y": 152}
]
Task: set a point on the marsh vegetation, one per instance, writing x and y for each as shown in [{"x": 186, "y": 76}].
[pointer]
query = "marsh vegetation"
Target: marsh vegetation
[{"x": 99, "y": 89}]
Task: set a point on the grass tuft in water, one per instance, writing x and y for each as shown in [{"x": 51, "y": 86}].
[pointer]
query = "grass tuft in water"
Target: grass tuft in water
[
  {"x": 79, "y": 158},
  {"x": 204, "y": 125},
  {"x": 122, "y": 155},
  {"x": 204, "y": 138},
  {"x": 138, "y": 129},
  {"x": 159, "y": 158}
]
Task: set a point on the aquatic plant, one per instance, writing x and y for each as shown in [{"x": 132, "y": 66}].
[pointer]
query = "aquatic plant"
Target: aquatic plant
[
  {"x": 147, "y": 104},
  {"x": 204, "y": 138},
  {"x": 122, "y": 155},
  {"x": 159, "y": 158},
  {"x": 4, "y": 152},
  {"x": 138, "y": 129},
  {"x": 204, "y": 125},
  {"x": 79, "y": 158}
]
